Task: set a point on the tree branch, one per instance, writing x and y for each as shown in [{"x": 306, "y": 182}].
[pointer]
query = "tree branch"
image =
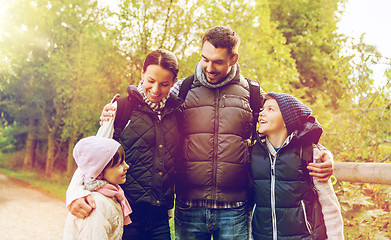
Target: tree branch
[{"x": 166, "y": 24}]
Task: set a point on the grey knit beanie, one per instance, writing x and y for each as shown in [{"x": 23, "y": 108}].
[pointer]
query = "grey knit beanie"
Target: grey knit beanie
[{"x": 293, "y": 111}]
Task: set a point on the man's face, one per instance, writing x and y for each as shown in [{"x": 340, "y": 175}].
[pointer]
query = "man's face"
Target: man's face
[{"x": 216, "y": 63}]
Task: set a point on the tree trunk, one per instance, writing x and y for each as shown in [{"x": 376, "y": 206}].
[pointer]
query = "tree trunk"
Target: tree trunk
[
  {"x": 71, "y": 165},
  {"x": 50, "y": 154},
  {"x": 31, "y": 144}
]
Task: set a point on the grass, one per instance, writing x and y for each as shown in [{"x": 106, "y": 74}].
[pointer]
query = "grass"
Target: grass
[{"x": 55, "y": 187}]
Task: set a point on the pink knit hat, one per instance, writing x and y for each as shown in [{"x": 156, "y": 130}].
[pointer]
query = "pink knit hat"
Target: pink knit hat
[{"x": 92, "y": 154}]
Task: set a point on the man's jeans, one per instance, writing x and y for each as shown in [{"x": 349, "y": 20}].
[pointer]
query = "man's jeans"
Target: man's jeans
[{"x": 201, "y": 223}]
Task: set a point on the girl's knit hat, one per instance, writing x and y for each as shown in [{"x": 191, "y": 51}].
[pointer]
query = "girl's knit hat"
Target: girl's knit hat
[
  {"x": 294, "y": 112},
  {"x": 92, "y": 154}
]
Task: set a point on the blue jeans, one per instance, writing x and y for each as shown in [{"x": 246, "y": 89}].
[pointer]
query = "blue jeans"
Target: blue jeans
[
  {"x": 201, "y": 223},
  {"x": 148, "y": 223}
]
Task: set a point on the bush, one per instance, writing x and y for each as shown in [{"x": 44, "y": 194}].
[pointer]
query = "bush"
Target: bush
[{"x": 365, "y": 209}]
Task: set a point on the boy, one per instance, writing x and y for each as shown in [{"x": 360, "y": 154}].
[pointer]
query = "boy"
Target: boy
[{"x": 289, "y": 204}]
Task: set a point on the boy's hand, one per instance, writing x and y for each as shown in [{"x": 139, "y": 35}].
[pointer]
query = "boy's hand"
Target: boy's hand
[
  {"x": 82, "y": 207},
  {"x": 107, "y": 111},
  {"x": 322, "y": 169}
]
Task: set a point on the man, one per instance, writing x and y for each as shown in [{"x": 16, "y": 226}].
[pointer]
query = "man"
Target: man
[{"x": 212, "y": 189}]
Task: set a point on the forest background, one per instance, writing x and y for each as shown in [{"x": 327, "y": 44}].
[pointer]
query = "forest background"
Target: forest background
[{"x": 62, "y": 61}]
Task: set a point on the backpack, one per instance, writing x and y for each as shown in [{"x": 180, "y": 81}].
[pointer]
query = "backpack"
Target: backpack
[
  {"x": 256, "y": 101},
  {"x": 124, "y": 109}
]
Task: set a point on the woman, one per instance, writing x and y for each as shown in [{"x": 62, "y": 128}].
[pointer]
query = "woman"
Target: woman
[{"x": 150, "y": 142}]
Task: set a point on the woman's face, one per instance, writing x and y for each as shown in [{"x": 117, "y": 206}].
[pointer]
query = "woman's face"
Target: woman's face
[{"x": 157, "y": 82}]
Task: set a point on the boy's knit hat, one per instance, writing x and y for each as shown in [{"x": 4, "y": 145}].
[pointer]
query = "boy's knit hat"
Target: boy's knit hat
[
  {"x": 294, "y": 112},
  {"x": 92, "y": 154}
]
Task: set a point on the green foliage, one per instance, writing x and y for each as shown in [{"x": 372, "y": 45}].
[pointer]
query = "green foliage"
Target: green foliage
[
  {"x": 7, "y": 140},
  {"x": 149, "y": 25},
  {"x": 359, "y": 129},
  {"x": 309, "y": 29},
  {"x": 365, "y": 206}
]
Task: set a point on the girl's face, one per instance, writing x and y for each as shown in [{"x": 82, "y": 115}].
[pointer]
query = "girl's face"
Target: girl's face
[
  {"x": 270, "y": 118},
  {"x": 157, "y": 82},
  {"x": 116, "y": 174}
]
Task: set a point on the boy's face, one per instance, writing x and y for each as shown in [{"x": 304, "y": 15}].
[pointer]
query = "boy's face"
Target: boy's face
[
  {"x": 116, "y": 174},
  {"x": 216, "y": 63},
  {"x": 270, "y": 118}
]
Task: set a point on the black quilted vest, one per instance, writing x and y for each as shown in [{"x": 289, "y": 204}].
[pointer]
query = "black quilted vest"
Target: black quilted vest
[{"x": 151, "y": 146}]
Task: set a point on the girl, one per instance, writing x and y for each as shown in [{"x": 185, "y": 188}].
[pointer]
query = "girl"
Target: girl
[
  {"x": 150, "y": 140},
  {"x": 289, "y": 204},
  {"x": 102, "y": 165}
]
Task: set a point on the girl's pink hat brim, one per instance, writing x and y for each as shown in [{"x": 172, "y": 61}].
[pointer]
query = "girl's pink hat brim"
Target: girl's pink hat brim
[{"x": 92, "y": 154}]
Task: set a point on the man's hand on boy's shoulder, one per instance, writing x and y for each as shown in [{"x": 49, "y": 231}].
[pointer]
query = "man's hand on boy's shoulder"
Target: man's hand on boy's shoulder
[
  {"x": 82, "y": 207},
  {"x": 323, "y": 165}
]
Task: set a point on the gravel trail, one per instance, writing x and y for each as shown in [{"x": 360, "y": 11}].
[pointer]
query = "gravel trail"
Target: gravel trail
[{"x": 26, "y": 213}]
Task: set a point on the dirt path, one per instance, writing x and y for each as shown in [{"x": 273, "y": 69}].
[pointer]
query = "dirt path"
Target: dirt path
[{"x": 26, "y": 213}]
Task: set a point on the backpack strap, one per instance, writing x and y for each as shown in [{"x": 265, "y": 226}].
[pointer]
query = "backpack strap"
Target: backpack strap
[
  {"x": 256, "y": 102},
  {"x": 307, "y": 152},
  {"x": 185, "y": 87},
  {"x": 124, "y": 109},
  {"x": 307, "y": 155}
]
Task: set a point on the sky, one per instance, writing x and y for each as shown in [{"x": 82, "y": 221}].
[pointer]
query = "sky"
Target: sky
[{"x": 373, "y": 18}]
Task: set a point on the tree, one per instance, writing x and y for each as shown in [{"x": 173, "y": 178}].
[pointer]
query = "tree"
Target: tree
[
  {"x": 64, "y": 72},
  {"x": 25, "y": 60},
  {"x": 309, "y": 29}
]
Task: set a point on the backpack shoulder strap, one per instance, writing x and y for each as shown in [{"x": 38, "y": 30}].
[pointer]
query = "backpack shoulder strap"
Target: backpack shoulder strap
[
  {"x": 307, "y": 152},
  {"x": 185, "y": 87},
  {"x": 307, "y": 155},
  {"x": 256, "y": 102},
  {"x": 255, "y": 96},
  {"x": 124, "y": 109}
]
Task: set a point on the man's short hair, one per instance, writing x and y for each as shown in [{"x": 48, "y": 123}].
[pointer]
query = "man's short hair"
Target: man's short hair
[{"x": 222, "y": 37}]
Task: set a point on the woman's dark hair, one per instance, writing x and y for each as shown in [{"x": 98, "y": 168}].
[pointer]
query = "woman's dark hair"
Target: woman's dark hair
[
  {"x": 117, "y": 159},
  {"x": 164, "y": 59}
]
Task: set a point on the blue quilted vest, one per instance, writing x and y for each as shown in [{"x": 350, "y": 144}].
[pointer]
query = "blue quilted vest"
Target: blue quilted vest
[{"x": 287, "y": 205}]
